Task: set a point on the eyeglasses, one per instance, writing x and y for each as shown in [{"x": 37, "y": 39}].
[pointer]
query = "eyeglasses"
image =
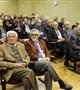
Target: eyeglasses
[
  {"x": 34, "y": 34},
  {"x": 67, "y": 24}
]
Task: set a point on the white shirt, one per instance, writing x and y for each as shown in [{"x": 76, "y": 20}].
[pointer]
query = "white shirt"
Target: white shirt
[
  {"x": 27, "y": 28},
  {"x": 58, "y": 34}
]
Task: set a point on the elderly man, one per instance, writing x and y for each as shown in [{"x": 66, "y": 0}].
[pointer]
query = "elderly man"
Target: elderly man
[
  {"x": 38, "y": 25},
  {"x": 14, "y": 57},
  {"x": 40, "y": 56},
  {"x": 57, "y": 40},
  {"x": 68, "y": 32},
  {"x": 25, "y": 29},
  {"x": 75, "y": 45}
]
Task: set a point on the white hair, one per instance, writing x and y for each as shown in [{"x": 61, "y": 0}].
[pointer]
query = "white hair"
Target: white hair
[
  {"x": 12, "y": 32},
  {"x": 54, "y": 22}
]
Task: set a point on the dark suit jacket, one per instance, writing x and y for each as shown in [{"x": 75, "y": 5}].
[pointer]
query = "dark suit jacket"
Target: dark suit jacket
[
  {"x": 32, "y": 49},
  {"x": 52, "y": 36},
  {"x": 75, "y": 43},
  {"x": 23, "y": 28},
  {"x": 75, "y": 47},
  {"x": 23, "y": 33}
]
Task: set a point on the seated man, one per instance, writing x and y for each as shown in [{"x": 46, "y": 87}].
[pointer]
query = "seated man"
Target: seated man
[
  {"x": 75, "y": 45},
  {"x": 67, "y": 33},
  {"x": 40, "y": 56},
  {"x": 56, "y": 40},
  {"x": 14, "y": 57}
]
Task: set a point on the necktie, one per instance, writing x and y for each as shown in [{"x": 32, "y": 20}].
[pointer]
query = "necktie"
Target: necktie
[
  {"x": 40, "y": 52},
  {"x": 57, "y": 33}
]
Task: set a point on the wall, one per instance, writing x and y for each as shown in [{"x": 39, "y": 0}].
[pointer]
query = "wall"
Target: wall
[
  {"x": 25, "y": 7},
  {"x": 9, "y": 6},
  {"x": 69, "y": 9}
]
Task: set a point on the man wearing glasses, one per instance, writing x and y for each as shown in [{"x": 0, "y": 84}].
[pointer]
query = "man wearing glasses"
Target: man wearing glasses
[{"x": 40, "y": 57}]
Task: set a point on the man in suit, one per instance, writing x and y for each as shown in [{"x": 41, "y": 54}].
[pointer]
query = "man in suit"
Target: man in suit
[
  {"x": 38, "y": 25},
  {"x": 56, "y": 37},
  {"x": 14, "y": 57},
  {"x": 25, "y": 30},
  {"x": 75, "y": 45},
  {"x": 67, "y": 33},
  {"x": 40, "y": 56}
]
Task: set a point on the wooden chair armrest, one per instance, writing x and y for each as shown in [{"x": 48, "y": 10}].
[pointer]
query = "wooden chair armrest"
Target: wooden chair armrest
[
  {"x": 3, "y": 68},
  {"x": 52, "y": 42}
]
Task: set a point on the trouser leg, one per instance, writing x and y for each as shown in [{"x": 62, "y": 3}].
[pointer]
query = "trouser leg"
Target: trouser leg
[
  {"x": 27, "y": 85},
  {"x": 48, "y": 81},
  {"x": 26, "y": 73},
  {"x": 52, "y": 72},
  {"x": 45, "y": 66}
]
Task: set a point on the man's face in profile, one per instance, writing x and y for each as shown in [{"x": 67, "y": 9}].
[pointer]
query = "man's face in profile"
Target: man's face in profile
[{"x": 12, "y": 38}]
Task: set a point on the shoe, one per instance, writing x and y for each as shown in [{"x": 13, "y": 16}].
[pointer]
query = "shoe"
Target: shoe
[{"x": 66, "y": 86}]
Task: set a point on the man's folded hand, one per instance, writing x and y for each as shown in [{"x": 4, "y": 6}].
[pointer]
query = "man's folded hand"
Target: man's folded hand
[{"x": 17, "y": 65}]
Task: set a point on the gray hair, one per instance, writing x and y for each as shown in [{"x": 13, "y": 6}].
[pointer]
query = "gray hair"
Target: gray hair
[
  {"x": 12, "y": 32},
  {"x": 35, "y": 30}
]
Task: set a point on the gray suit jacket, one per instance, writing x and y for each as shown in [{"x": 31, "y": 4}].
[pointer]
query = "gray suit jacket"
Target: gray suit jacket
[{"x": 7, "y": 58}]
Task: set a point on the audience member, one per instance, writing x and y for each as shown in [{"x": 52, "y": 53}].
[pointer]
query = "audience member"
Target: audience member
[
  {"x": 14, "y": 57},
  {"x": 78, "y": 23},
  {"x": 56, "y": 38},
  {"x": 38, "y": 25},
  {"x": 75, "y": 45},
  {"x": 68, "y": 32},
  {"x": 40, "y": 56},
  {"x": 25, "y": 30},
  {"x": 2, "y": 33},
  {"x": 61, "y": 23}
]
